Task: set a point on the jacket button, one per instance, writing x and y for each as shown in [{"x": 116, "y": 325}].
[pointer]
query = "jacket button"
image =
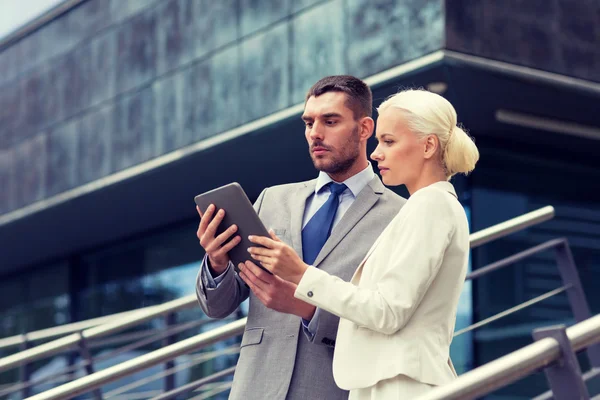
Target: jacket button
[{"x": 309, "y": 294}]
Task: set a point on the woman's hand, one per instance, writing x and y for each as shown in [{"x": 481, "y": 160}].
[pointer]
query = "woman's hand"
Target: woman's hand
[{"x": 278, "y": 257}]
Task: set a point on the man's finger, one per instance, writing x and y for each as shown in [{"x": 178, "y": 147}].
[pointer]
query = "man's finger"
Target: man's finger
[
  {"x": 249, "y": 282},
  {"x": 222, "y": 238},
  {"x": 259, "y": 293},
  {"x": 256, "y": 289},
  {"x": 230, "y": 245},
  {"x": 249, "y": 271},
  {"x": 204, "y": 220},
  {"x": 211, "y": 229},
  {"x": 246, "y": 279},
  {"x": 261, "y": 259},
  {"x": 269, "y": 267},
  {"x": 259, "y": 273},
  {"x": 222, "y": 251}
]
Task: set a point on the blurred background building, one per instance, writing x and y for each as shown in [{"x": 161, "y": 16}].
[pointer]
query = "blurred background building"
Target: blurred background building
[{"x": 114, "y": 114}]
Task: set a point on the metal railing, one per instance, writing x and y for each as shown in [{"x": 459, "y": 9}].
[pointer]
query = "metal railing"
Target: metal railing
[
  {"x": 142, "y": 315},
  {"x": 519, "y": 364},
  {"x": 571, "y": 285},
  {"x": 147, "y": 337},
  {"x": 100, "y": 378},
  {"x": 511, "y": 226},
  {"x": 82, "y": 343},
  {"x": 73, "y": 340},
  {"x": 62, "y": 330},
  {"x": 97, "y": 379}
]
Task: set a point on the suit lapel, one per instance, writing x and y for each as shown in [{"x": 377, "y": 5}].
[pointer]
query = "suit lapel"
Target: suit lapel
[
  {"x": 365, "y": 200},
  {"x": 298, "y": 204}
]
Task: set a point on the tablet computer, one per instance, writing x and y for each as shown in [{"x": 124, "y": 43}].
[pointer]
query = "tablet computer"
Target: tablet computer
[{"x": 238, "y": 211}]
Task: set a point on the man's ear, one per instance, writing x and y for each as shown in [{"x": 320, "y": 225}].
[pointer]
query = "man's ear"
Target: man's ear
[
  {"x": 367, "y": 126},
  {"x": 432, "y": 145}
]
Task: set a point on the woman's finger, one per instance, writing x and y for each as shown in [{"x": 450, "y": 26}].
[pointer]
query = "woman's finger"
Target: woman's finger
[
  {"x": 261, "y": 259},
  {"x": 274, "y": 236},
  {"x": 259, "y": 251},
  {"x": 263, "y": 241}
]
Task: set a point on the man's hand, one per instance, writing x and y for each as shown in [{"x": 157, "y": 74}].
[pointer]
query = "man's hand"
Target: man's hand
[
  {"x": 216, "y": 251},
  {"x": 274, "y": 292}
]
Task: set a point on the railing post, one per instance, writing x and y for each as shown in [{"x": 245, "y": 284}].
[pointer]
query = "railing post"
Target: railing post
[
  {"x": 564, "y": 375},
  {"x": 575, "y": 294},
  {"x": 71, "y": 361},
  {"x": 170, "y": 321},
  {"x": 89, "y": 363},
  {"x": 25, "y": 369}
]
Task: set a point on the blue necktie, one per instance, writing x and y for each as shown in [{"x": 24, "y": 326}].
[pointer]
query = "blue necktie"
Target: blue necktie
[{"x": 317, "y": 230}]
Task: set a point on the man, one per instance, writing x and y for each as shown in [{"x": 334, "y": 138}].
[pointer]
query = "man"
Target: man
[{"x": 332, "y": 221}]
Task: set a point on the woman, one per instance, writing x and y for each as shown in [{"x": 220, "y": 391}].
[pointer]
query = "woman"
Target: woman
[{"x": 398, "y": 312}]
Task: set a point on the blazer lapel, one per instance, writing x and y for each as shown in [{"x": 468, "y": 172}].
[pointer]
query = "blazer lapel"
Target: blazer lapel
[
  {"x": 358, "y": 272},
  {"x": 297, "y": 210},
  {"x": 365, "y": 200}
]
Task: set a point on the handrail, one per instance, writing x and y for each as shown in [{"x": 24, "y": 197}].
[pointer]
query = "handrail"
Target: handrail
[
  {"x": 106, "y": 356},
  {"x": 197, "y": 359},
  {"x": 511, "y": 226},
  {"x": 50, "y": 348},
  {"x": 97, "y": 379},
  {"x": 100, "y": 378},
  {"x": 550, "y": 244},
  {"x": 516, "y": 365},
  {"x": 216, "y": 388},
  {"x": 61, "y": 330},
  {"x": 513, "y": 310},
  {"x": 194, "y": 385},
  {"x": 593, "y": 373}
]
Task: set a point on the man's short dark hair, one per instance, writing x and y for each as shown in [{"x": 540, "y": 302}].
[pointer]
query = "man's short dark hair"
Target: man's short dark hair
[{"x": 358, "y": 95}]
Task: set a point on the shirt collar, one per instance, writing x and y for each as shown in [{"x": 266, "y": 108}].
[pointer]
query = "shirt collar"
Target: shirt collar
[{"x": 355, "y": 183}]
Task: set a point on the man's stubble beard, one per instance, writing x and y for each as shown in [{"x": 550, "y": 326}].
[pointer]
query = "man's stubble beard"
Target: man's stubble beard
[{"x": 345, "y": 161}]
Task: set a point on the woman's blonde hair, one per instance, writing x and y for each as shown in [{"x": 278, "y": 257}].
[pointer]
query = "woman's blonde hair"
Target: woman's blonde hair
[{"x": 428, "y": 113}]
